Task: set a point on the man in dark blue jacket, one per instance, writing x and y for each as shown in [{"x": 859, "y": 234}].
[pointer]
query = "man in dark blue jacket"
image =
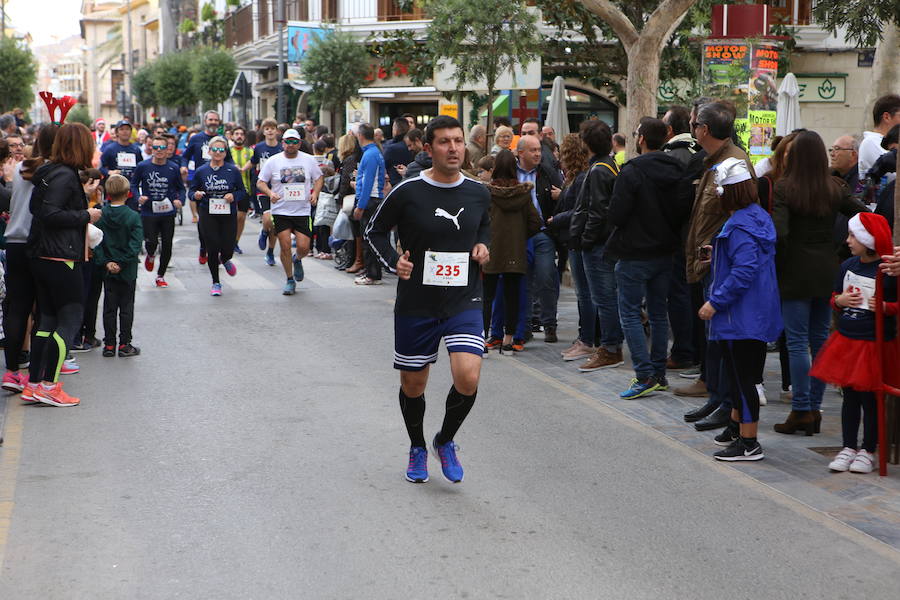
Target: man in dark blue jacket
[
  {"x": 396, "y": 152},
  {"x": 121, "y": 157},
  {"x": 648, "y": 221}
]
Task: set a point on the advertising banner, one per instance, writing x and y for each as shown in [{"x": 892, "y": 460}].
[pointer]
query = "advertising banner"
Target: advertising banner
[
  {"x": 299, "y": 40},
  {"x": 726, "y": 72},
  {"x": 744, "y": 73}
]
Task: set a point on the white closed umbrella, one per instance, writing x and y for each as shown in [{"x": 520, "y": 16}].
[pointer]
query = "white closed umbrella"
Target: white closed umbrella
[
  {"x": 557, "y": 115},
  {"x": 788, "y": 118}
]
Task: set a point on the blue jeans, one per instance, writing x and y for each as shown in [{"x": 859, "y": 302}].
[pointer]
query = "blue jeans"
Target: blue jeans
[
  {"x": 543, "y": 278},
  {"x": 587, "y": 310},
  {"x": 601, "y": 276},
  {"x": 639, "y": 279},
  {"x": 806, "y": 324}
]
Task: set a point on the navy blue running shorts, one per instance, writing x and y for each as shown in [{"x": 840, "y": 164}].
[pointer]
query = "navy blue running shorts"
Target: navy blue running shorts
[{"x": 416, "y": 339}]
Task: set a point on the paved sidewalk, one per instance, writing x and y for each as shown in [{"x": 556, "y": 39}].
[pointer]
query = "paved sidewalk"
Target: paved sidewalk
[{"x": 795, "y": 465}]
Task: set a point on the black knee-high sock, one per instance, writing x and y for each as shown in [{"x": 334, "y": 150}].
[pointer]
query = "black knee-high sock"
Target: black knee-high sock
[
  {"x": 458, "y": 407},
  {"x": 413, "y": 410}
]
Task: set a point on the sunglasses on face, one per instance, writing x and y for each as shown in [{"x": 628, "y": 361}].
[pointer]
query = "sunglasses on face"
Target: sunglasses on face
[
  {"x": 159, "y": 147},
  {"x": 217, "y": 149},
  {"x": 292, "y": 142}
]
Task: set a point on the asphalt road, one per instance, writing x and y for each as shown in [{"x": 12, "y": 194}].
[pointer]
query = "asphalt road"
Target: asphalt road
[{"x": 255, "y": 450}]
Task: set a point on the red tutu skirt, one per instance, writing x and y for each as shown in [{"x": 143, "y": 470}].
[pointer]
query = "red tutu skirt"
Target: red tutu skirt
[{"x": 851, "y": 363}]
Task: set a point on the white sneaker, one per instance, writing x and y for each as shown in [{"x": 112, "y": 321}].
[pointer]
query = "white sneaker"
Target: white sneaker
[
  {"x": 862, "y": 463},
  {"x": 570, "y": 348},
  {"x": 579, "y": 350},
  {"x": 842, "y": 461},
  {"x": 761, "y": 391}
]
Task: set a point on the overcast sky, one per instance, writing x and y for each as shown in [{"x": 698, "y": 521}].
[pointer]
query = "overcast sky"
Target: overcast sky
[{"x": 32, "y": 16}]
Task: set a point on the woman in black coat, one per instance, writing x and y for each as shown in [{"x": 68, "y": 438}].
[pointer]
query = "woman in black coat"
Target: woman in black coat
[
  {"x": 57, "y": 247},
  {"x": 807, "y": 201}
]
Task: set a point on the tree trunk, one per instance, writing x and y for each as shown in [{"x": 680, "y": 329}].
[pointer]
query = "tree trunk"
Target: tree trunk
[
  {"x": 641, "y": 87},
  {"x": 885, "y": 71},
  {"x": 489, "y": 128}
]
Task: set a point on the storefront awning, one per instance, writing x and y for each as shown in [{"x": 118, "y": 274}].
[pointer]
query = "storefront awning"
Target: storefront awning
[{"x": 501, "y": 106}]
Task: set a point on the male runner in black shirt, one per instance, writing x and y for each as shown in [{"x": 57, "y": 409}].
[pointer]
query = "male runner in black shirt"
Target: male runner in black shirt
[{"x": 444, "y": 228}]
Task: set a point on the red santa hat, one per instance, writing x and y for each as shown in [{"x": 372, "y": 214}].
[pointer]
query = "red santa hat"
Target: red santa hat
[
  {"x": 872, "y": 231},
  {"x": 100, "y": 120}
]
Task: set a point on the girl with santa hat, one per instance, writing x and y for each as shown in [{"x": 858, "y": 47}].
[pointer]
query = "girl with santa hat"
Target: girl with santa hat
[{"x": 849, "y": 358}]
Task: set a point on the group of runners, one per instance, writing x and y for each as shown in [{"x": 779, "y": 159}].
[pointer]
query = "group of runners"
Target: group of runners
[{"x": 216, "y": 173}]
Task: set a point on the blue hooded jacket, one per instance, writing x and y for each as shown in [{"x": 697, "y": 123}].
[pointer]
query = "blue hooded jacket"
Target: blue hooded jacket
[{"x": 744, "y": 288}]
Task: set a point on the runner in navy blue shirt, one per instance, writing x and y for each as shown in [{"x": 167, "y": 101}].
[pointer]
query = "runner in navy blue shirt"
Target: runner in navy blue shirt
[
  {"x": 156, "y": 183},
  {"x": 262, "y": 152},
  {"x": 195, "y": 156},
  {"x": 217, "y": 188},
  {"x": 121, "y": 157}
]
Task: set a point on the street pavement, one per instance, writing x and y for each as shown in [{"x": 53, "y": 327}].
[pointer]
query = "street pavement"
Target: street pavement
[{"x": 255, "y": 450}]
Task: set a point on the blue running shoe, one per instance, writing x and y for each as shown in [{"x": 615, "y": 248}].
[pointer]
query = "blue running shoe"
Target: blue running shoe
[
  {"x": 263, "y": 238},
  {"x": 298, "y": 269},
  {"x": 289, "y": 288},
  {"x": 453, "y": 471},
  {"x": 270, "y": 259},
  {"x": 237, "y": 249},
  {"x": 216, "y": 289},
  {"x": 639, "y": 388},
  {"x": 417, "y": 470}
]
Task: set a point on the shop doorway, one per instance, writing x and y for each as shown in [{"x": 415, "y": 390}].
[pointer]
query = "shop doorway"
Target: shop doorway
[{"x": 387, "y": 112}]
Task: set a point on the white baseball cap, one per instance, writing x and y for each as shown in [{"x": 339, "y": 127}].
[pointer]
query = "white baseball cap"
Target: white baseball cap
[{"x": 291, "y": 134}]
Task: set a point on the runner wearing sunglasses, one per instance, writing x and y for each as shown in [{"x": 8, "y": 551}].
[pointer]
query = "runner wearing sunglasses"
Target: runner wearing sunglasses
[
  {"x": 156, "y": 183},
  {"x": 292, "y": 180},
  {"x": 217, "y": 188}
]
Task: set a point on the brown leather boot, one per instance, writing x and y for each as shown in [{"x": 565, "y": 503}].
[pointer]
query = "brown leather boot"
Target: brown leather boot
[
  {"x": 817, "y": 419},
  {"x": 358, "y": 261},
  {"x": 798, "y": 420},
  {"x": 696, "y": 389}
]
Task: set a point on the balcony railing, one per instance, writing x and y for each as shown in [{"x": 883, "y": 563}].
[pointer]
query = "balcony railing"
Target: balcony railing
[
  {"x": 265, "y": 17},
  {"x": 389, "y": 10},
  {"x": 239, "y": 27},
  {"x": 790, "y": 12},
  {"x": 239, "y": 24}
]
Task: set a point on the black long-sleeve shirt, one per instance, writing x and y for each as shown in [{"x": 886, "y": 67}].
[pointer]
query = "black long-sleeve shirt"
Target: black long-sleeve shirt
[{"x": 432, "y": 217}]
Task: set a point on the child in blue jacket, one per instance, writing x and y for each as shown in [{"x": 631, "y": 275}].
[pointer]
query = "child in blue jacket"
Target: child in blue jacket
[{"x": 744, "y": 308}]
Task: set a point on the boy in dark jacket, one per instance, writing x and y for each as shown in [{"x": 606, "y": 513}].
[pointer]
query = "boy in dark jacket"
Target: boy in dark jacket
[{"x": 117, "y": 255}]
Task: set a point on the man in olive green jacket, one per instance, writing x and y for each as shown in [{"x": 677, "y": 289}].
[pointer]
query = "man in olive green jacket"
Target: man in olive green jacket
[{"x": 712, "y": 127}]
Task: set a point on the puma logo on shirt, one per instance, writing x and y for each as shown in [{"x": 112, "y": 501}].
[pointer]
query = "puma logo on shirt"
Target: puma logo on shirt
[{"x": 440, "y": 212}]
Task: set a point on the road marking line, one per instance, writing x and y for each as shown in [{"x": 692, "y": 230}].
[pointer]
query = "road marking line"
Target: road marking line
[
  {"x": 10, "y": 453},
  {"x": 774, "y": 494}
]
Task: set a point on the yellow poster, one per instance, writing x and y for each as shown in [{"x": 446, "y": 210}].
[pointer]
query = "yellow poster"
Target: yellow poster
[{"x": 450, "y": 110}]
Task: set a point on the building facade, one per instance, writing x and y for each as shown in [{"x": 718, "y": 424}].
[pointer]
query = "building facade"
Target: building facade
[{"x": 108, "y": 30}]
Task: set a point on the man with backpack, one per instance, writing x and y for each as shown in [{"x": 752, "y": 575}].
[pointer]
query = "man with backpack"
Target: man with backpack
[{"x": 590, "y": 229}]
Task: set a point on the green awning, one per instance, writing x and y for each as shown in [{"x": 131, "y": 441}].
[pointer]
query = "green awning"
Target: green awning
[{"x": 501, "y": 106}]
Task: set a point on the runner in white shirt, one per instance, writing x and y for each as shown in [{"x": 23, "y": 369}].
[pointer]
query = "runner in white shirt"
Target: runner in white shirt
[{"x": 292, "y": 180}]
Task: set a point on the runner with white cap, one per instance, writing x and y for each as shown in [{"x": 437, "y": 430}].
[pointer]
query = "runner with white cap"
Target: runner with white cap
[{"x": 292, "y": 180}]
